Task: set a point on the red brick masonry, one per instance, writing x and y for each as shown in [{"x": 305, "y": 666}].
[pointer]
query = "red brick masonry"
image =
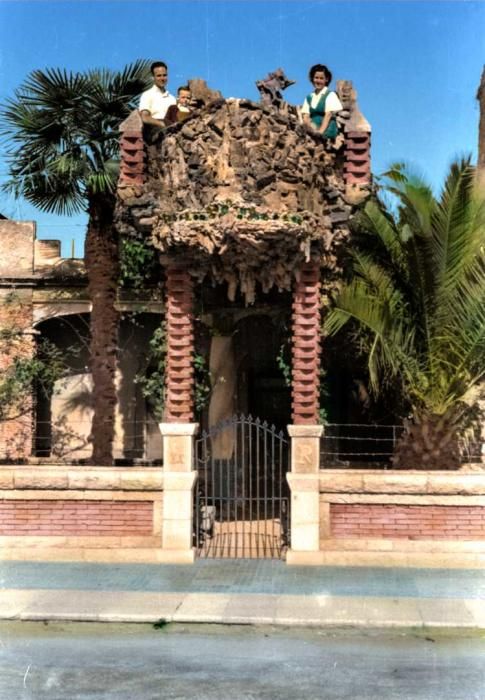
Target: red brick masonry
[
  {"x": 69, "y": 517},
  {"x": 306, "y": 346},
  {"x": 411, "y": 522},
  {"x": 179, "y": 377}
]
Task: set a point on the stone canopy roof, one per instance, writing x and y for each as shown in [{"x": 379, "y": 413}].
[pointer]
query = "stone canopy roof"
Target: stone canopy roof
[{"x": 243, "y": 193}]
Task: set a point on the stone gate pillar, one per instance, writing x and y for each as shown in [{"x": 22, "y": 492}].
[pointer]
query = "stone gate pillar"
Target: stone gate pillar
[
  {"x": 178, "y": 429},
  {"x": 305, "y": 432}
]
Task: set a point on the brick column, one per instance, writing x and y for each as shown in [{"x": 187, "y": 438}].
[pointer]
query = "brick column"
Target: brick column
[
  {"x": 357, "y": 169},
  {"x": 178, "y": 430},
  {"x": 179, "y": 378},
  {"x": 132, "y": 151},
  {"x": 305, "y": 432},
  {"x": 306, "y": 346}
]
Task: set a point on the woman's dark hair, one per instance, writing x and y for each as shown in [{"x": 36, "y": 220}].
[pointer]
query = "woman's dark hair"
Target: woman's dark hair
[
  {"x": 158, "y": 64},
  {"x": 320, "y": 68}
]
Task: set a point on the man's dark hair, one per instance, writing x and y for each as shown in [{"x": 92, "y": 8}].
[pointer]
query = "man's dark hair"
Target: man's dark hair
[
  {"x": 158, "y": 64},
  {"x": 320, "y": 68},
  {"x": 183, "y": 87}
]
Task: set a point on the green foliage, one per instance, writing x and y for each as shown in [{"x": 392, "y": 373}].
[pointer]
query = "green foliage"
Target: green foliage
[
  {"x": 417, "y": 292},
  {"x": 62, "y": 129},
  {"x": 152, "y": 381},
  {"x": 218, "y": 210},
  {"x": 44, "y": 369},
  {"x": 138, "y": 262},
  {"x": 283, "y": 360},
  {"x": 22, "y": 371},
  {"x": 203, "y": 386}
]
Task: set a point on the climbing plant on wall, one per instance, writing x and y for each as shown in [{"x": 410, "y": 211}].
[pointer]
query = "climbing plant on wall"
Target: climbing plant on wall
[{"x": 41, "y": 366}]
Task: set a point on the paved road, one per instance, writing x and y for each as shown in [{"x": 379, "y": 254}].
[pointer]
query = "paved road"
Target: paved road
[{"x": 133, "y": 662}]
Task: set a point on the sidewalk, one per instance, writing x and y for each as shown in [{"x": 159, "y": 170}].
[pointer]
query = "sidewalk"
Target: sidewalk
[{"x": 243, "y": 592}]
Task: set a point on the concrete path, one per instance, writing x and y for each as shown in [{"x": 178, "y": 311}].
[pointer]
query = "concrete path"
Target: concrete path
[{"x": 244, "y": 592}]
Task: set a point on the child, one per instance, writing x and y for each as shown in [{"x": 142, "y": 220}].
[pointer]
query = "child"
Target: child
[
  {"x": 181, "y": 110},
  {"x": 319, "y": 107}
]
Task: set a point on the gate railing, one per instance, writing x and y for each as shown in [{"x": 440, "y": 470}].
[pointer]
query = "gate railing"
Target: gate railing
[{"x": 242, "y": 503}]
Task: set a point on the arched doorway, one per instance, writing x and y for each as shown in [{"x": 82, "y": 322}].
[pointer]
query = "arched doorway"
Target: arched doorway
[
  {"x": 242, "y": 504},
  {"x": 64, "y": 411}
]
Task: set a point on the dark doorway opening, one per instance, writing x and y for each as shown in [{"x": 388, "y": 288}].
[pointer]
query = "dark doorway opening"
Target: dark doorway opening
[{"x": 261, "y": 342}]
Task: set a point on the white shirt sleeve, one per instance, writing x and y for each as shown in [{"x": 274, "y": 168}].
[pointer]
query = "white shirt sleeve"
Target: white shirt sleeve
[
  {"x": 333, "y": 103},
  {"x": 145, "y": 101}
]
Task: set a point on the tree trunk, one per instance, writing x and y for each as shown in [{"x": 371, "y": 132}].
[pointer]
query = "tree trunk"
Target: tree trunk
[
  {"x": 102, "y": 266},
  {"x": 428, "y": 442},
  {"x": 481, "y": 134}
]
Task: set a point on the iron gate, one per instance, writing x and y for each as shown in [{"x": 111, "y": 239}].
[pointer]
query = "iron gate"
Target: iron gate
[{"x": 242, "y": 503}]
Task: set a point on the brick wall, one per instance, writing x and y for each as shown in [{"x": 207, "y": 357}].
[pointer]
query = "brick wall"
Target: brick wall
[
  {"x": 407, "y": 521},
  {"x": 75, "y": 517},
  {"x": 16, "y": 319}
]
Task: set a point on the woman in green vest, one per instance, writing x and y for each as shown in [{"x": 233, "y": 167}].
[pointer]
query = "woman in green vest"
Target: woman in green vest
[{"x": 319, "y": 107}]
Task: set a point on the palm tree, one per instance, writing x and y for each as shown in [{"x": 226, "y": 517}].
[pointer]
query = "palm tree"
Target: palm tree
[
  {"x": 63, "y": 158},
  {"x": 417, "y": 302}
]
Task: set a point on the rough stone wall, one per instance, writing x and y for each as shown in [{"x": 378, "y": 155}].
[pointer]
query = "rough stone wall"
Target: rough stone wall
[
  {"x": 38, "y": 285},
  {"x": 17, "y": 259},
  {"x": 242, "y": 151},
  {"x": 244, "y": 193},
  {"x": 16, "y": 342}
]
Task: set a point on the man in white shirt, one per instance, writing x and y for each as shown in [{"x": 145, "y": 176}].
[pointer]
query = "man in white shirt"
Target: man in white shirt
[{"x": 155, "y": 102}]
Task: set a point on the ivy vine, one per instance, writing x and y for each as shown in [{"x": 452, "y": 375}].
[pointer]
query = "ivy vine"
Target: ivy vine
[
  {"x": 218, "y": 210},
  {"x": 138, "y": 263},
  {"x": 43, "y": 369},
  {"x": 152, "y": 380},
  {"x": 283, "y": 361}
]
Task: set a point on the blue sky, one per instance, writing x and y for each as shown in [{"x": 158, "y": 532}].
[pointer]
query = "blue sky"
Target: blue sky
[{"x": 416, "y": 65}]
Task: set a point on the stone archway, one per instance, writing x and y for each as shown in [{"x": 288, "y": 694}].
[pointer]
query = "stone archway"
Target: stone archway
[{"x": 64, "y": 414}]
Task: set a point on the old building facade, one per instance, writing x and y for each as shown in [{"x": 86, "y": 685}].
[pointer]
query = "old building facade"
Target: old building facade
[{"x": 248, "y": 211}]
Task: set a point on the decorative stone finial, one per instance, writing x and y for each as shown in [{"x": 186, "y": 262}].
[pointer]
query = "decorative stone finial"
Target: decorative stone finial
[{"x": 271, "y": 87}]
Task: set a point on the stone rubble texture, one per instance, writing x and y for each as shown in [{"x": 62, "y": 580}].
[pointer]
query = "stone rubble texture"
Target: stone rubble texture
[{"x": 244, "y": 193}]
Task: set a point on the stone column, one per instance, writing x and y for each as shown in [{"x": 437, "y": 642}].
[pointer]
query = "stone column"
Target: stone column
[
  {"x": 178, "y": 430},
  {"x": 305, "y": 433},
  {"x": 179, "y": 479},
  {"x": 305, "y": 494}
]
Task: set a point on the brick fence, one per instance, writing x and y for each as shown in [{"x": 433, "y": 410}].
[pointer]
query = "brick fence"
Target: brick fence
[
  {"x": 411, "y": 522},
  {"x": 392, "y": 518},
  {"x": 69, "y": 517},
  {"x": 81, "y": 513}
]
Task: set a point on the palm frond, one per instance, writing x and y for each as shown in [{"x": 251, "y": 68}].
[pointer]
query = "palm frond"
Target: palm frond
[
  {"x": 418, "y": 289},
  {"x": 61, "y": 129},
  {"x": 452, "y": 239}
]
